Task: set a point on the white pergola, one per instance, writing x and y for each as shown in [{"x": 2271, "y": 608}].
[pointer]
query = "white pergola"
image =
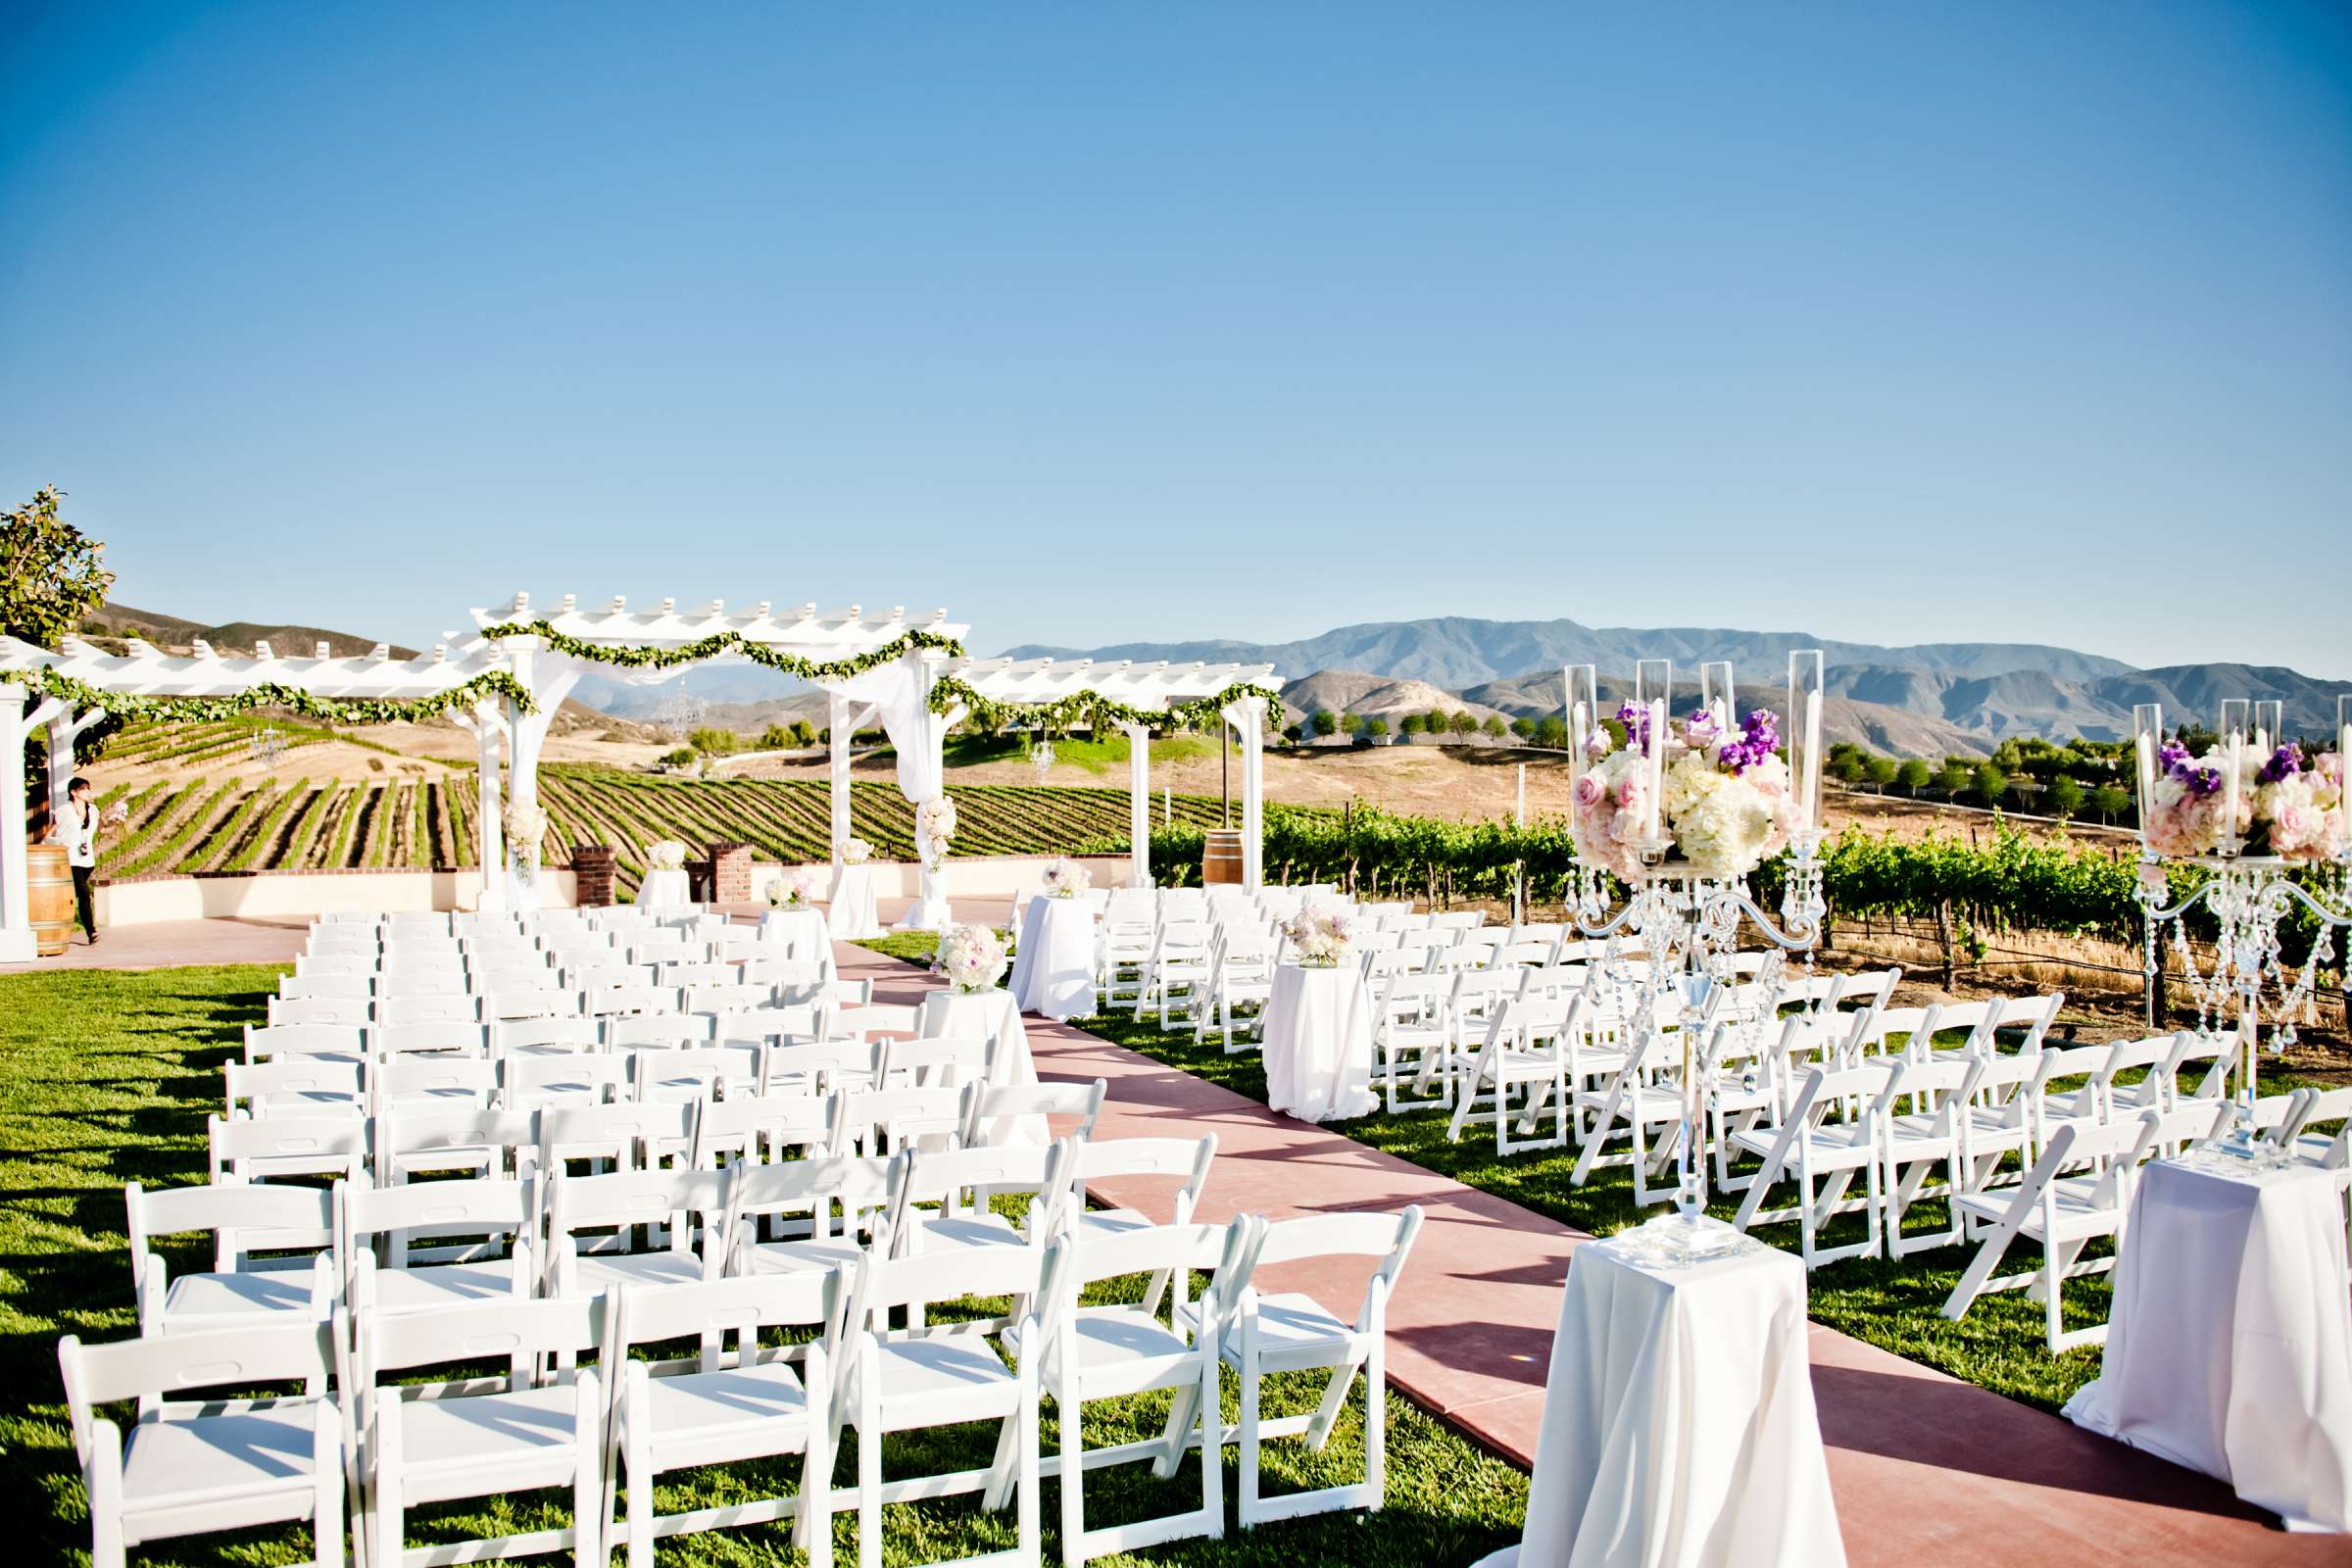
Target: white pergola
[
  {"x": 898, "y": 691},
  {"x": 1150, "y": 687},
  {"x": 145, "y": 671}
]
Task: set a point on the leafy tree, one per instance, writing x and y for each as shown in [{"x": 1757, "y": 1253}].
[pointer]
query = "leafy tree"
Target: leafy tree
[
  {"x": 52, "y": 577},
  {"x": 2110, "y": 801},
  {"x": 1410, "y": 725},
  {"x": 1914, "y": 776},
  {"x": 775, "y": 738},
  {"x": 713, "y": 742},
  {"x": 1326, "y": 721},
  {"x": 1295, "y": 732},
  {"x": 51, "y": 574},
  {"x": 1992, "y": 783},
  {"x": 1552, "y": 730},
  {"x": 1463, "y": 723},
  {"x": 802, "y": 732},
  {"x": 679, "y": 757},
  {"x": 1851, "y": 767},
  {"x": 1375, "y": 727},
  {"x": 1524, "y": 727},
  {"x": 2065, "y": 795},
  {"x": 1954, "y": 777},
  {"x": 1493, "y": 726},
  {"x": 1438, "y": 723},
  {"x": 1883, "y": 770}
]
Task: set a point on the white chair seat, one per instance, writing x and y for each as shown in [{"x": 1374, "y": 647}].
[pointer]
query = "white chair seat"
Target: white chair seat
[
  {"x": 192, "y": 1298},
  {"x": 711, "y": 1406},
  {"x": 2080, "y": 1211},
  {"x": 936, "y": 1378},
  {"x": 1124, "y": 1338},
  {"x": 460, "y": 1440},
  {"x": 1837, "y": 1138},
  {"x": 1919, "y": 1131},
  {"x": 1111, "y": 1222},
  {"x": 420, "y": 1290},
  {"x": 179, "y": 1462},
  {"x": 1292, "y": 1331}
]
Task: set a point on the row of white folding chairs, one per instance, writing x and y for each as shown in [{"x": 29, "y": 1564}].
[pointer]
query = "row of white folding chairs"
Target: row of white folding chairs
[
  {"x": 781, "y": 983},
  {"x": 384, "y": 1447},
  {"x": 569, "y": 951}
]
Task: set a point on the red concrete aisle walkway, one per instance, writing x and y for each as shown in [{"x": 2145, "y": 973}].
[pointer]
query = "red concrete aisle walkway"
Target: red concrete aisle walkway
[{"x": 1927, "y": 1469}]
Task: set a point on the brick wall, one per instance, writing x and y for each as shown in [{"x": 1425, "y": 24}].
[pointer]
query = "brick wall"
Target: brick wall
[
  {"x": 731, "y": 873},
  {"x": 592, "y": 869}
]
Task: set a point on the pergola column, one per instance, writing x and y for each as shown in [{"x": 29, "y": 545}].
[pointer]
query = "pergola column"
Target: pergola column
[
  {"x": 16, "y": 917},
  {"x": 838, "y": 731},
  {"x": 1248, "y": 717},
  {"x": 931, "y": 911},
  {"x": 489, "y": 831},
  {"x": 1138, "y": 805},
  {"x": 63, "y": 729}
]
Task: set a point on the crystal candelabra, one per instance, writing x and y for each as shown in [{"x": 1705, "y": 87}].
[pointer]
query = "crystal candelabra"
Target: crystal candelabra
[
  {"x": 1041, "y": 756},
  {"x": 1687, "y": 921},
  {"x": 2253, "y": 790},
  {"x": 269, "y": 746}
]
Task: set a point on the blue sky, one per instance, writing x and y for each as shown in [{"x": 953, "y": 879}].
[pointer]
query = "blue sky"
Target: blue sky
[{"x": 1898, "y": 323}]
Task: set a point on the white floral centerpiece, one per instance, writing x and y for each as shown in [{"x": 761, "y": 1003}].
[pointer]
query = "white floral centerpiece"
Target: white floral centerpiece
[
  {"x": 795, "y": 887},
  {"x": 1065, "y": 878},
  {"x": 1725, "y": 805},
  {"x": 2293, "y": 811},
  {"x": 934, "y": 829},
  {"x": 1320, "y": 939},
  {"x": 2299, "y": 802},
  {"x": 525, "y": 826},
  {"x": 855, "y": 851},
  {"x": 971, "y": 959},
  {"x": 666, "y": 855}
]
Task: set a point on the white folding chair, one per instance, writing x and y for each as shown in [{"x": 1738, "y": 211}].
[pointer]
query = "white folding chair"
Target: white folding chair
[
  {"x": 340, "y": 1010},
  {"x": 993, "y": 1112},
  {"x": 293, "y": 1086},
  {"x": 1119, "y": 1349},
  {"x": 1283, "y": 1332},
  {"x": 713, "y": 1409},
  {"x": 248, "y": 1151},
  {"x": 943, "y": 1376},
  {"x": 332, "y": 1042},
  {"x": 446, "y": 1244},
  {"x": 594, "y": 1225},
  {"x": 473, "y": 1436},
  {"x": 1813, "y": 1147},
  {"x": 191, "y": 1467}
]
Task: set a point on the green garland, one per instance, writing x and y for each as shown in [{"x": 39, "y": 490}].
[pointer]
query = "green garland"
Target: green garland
[
  {"x": 333, "y": 710},
  {"x": 717, "y": 643},
  {"x": 1096, "y": 711},
  {"x": 1063, "y": 713}
]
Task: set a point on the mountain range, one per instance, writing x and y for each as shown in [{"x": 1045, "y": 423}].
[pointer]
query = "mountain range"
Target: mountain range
[{"x": 1924, "y": 700}]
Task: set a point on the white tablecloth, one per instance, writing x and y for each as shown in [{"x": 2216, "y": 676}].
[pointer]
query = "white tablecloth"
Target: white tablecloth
[
  {"x": 851, "y": 913},
  {"x": 1679, "y": 1429},
  {"x": 799, "y": 933},
  {"x": 2230, "y": 1345},
  {"x": 989, "y": 1014},
  {"x": 1319, "y": 1044},
  {"x": 1053, "y": 964},
  {"x": 664, "y": 890}
]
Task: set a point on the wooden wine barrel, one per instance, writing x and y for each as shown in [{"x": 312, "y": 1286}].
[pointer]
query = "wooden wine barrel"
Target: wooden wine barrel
[
  {"x": 1221, "y": 856},
  {"x": 49, "y": 897}
]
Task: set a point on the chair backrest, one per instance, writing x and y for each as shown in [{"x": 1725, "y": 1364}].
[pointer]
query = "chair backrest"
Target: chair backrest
[
  {"x": 350, "y": 987},
  {"x": 541, "y": 1035},
  {"x": 251, "y": 1150},
  {"x": 1386, "y": 1237},
  {"x": 986, "y": 1105},
  {"x": 780, "y": 1023},
  {"x": 863, "y": 1189},
  {"x": 500, "y": 1003},
  {"x": 710, "y": 1312},
  {"x": 442, "y": 1077},
  {"x": 827, "y": 1065},
  {"x": 659, "y": 1031},
  {"x": 153, "y": 1368},
  {"x": 399, "y": 1010},
  {"x": 307, "y": 1077},
  {"x": 2033, "y": 1014},
  {"x": 621, "y": 1201},
  {"x": 880, "y": 1121},
  {"x": 884, "y": 1284},
  {"x": 518, "y": 1332},
  {"x": 624, "y": 1000},
  {"x": 727, "y": 996},
  {"x": 417, "y": 1222},
  {"x": 528, "y": 1079},
  {"x": 756, "y": 1127},
  {"x": 239, "y": 1218},
  {"x": 860, "y": 1023},
  {"x": 629, "y": 1134},
  {"x": 940, "y": 1061},
  {"x": 407, "y": 1138},
  {"x": 453, "y": 1037},
  {"x": 300, "y": 1011}
]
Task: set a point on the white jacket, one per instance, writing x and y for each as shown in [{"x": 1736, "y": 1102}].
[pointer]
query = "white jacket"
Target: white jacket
[{"x": 78, "y": 831}]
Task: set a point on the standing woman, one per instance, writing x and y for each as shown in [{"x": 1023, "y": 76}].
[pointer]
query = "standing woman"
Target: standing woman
[{"x": 78, "y": 832}]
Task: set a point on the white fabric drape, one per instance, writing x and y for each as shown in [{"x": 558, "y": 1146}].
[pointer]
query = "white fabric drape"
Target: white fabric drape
[
  {"x": 664, "y": 890},
  {"x": 901, "y": 692},
  {"x": 1053, "y": 970},
  {"x": 2230, "y": 1346},
  {"x": 850, "y": 913},
  {"x": 1679, "y": 1428},
  {"x": 1319, "y": 1044}
]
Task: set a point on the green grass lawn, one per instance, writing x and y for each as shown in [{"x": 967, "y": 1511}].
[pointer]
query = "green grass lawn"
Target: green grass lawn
[
  {"x": 107, "y": 1077},
  {"x": 1890, "y": 1304}
]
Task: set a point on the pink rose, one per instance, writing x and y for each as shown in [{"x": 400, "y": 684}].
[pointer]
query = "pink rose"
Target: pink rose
[{"x": 1589, "y": 790}]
